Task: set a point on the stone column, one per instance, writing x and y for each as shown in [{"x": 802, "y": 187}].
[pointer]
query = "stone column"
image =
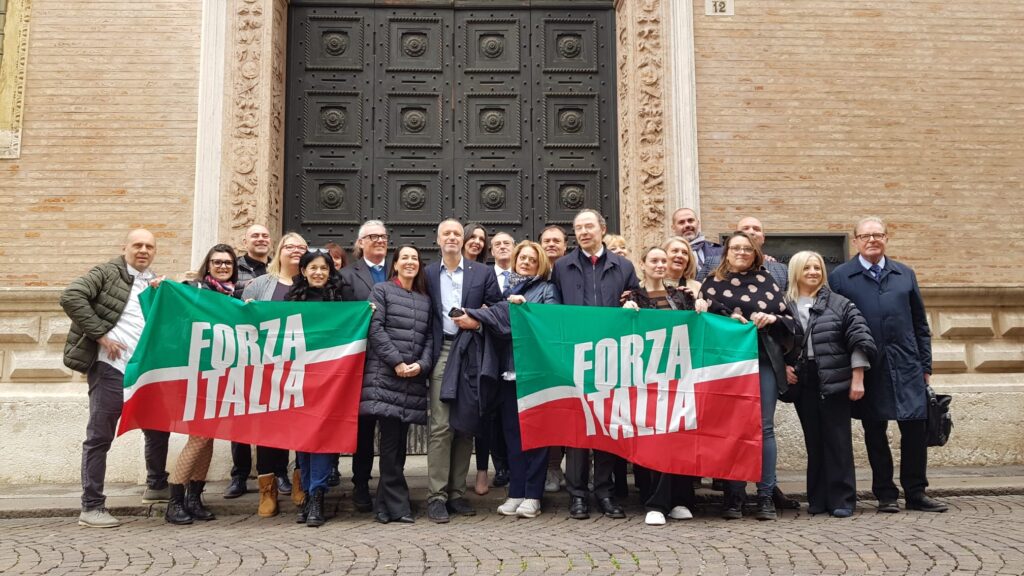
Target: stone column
[
  {"x": 641, "y": 92},
  {"x": 254, "y": 132},
  {"x": 681, "y": 168}
]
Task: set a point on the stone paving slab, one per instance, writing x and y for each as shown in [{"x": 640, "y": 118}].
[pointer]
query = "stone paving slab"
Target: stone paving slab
[
  {"x": 125, "y": 499},
  {"x": 979, "y": 535}
]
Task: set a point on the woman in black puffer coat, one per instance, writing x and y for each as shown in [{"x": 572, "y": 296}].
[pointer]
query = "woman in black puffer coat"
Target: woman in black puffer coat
[
  {"x": 398, "y": 362},
  {"x": 829, "y": 376}
]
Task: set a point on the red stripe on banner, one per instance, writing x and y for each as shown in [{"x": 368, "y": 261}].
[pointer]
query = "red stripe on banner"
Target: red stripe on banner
[
  {"x": 326, "y": 423},
  {"x": 726, "y": 443}
]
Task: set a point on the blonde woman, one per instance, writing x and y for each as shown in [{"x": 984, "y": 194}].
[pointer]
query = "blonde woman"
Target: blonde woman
[
  {"x": 616, "y": 244},
  {"x": 682, "y": 264},
  {"x": 829, "y": 376},
  {"x": 272, "y": 463}
]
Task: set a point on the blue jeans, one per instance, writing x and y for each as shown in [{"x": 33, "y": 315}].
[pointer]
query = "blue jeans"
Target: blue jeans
[
  {"x": 769, "y": 451},
  {"x": 314, "y": 469}
]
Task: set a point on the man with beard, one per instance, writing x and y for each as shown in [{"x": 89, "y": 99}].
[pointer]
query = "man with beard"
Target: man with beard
[{"x": 686, "y": 225}]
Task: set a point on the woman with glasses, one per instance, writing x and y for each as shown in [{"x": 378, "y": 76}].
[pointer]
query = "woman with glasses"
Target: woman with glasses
[
  {"x": 742, "y": 289},
  {"x": 314, "y": 283},
  {"x": 663, "y": 494},
  {"x": 398, "y": 362},
  {"x": 188, "y": 479},
  {"x": 272, "y": 463}
]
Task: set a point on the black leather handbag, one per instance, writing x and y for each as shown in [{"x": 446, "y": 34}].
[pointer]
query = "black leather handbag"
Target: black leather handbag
[{"x": 940, "y": 421}]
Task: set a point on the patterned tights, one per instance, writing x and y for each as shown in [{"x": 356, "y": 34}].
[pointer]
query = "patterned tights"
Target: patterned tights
[{"x": 194, "y": 461}]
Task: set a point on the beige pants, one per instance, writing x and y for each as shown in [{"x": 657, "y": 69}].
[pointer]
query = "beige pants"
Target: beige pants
[{"x": 448, "y": 452}]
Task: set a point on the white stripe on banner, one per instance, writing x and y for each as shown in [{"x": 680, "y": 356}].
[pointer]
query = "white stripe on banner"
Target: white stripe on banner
[
  {"x": 182, "y": 372},
  {"x": 706, "y": 374}
]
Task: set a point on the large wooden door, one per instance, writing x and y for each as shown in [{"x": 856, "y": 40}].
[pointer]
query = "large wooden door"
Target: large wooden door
[{"x": 410, "y": 115}]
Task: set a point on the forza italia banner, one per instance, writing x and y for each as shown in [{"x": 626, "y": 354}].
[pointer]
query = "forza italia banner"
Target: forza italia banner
[
  {"x": 278, "y": 374},
  {"x": 673, "y": 391}
]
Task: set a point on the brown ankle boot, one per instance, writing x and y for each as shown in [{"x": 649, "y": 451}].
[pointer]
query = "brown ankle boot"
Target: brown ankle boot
[
  {"x": 298, "y": 495},
  {"x": 268, "y": 495}
]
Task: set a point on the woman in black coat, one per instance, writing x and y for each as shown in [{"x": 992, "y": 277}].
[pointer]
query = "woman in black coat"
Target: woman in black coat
[
  {"x": 398, "y": 362},
  {"x": 829, "y": 376}
]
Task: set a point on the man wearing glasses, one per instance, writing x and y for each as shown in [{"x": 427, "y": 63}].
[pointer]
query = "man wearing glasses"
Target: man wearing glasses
[
  {"x": 887, "y": 294},
  {"x": 369, "y": 258}
]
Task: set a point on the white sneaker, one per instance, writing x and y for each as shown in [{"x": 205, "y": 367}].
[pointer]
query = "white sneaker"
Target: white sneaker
[
  {"x": 529, "y": 508},
  {"x": 680, "y": 513},
  {"x": 551, "y": 483},
  {"x": 98, "y": 518},
  {"x": 655, "y": 518},
  {"x": 510, "y": 506}
]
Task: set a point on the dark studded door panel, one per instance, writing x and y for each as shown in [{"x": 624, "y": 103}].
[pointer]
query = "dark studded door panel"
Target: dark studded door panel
[{"x": 415, "y": 112}]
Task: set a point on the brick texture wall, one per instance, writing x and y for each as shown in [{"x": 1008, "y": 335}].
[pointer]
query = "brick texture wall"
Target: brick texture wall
[
  {"x": 811, "y": 113},
  {"x": 108, "y": 141}
]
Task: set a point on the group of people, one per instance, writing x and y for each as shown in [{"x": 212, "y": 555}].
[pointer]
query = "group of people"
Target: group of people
[{"x": 851, "y": 344}]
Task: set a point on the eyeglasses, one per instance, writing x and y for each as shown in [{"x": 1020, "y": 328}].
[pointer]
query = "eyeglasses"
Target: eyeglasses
[
  {"x": 871, "y": 237},
  {"x": 295, "y": 247},
  {"x": 741, "y": 249},
  {"x": 222, "y": 263},
  {"x": 375, "y": 237},
  {"x": 318, "y": 251}
]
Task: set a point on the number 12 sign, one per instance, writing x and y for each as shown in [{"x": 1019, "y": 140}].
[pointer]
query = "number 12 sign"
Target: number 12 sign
[{"x": 719, "y": 8}]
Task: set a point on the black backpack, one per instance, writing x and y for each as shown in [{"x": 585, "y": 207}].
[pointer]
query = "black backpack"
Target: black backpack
[{"x": 940, "y": 421}]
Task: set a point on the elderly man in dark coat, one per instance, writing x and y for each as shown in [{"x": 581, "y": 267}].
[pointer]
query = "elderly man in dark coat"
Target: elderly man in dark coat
[{"x": 887, "y": 294}]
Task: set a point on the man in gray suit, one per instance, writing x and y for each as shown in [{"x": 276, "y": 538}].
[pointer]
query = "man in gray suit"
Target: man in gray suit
[{"x": 356, "y": 281}]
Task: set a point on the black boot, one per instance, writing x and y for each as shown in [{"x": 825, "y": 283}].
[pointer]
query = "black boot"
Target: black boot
[
  {"x": 303, "y": 510},
  {"x": 176, "y": 511},
  {"x": 315, "y": 516},
  {"x": 765, "y": 508},
  {"x": 194, "y": 501}
]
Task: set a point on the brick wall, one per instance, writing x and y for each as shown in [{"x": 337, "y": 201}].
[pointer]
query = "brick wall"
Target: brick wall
[
  {"x": 108, "y": 140},
  {"x": 811, "y": 113}
]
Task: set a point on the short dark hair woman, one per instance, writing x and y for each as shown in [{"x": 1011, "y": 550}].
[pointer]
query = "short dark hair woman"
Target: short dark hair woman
[
  {"x": 829, "y": 376},
  {"x": 315, "y": 282},
  {"x": 219, "y": 273},
  {"x": 398, "y": 362},
  {"x": 742, "y": 289}
]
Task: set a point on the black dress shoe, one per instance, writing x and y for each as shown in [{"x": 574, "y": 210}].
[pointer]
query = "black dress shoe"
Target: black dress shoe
[
  {"x": 783, "y": 502},
  {"x": 926, "y": 504},
  {"x": 236, "y": 488},
  {"x": 284, "y": 486},
  {"x": 407, "y": 519},
  {"x": 610, "y": 509},
  {"x": 361, "y": 498},
  {"x": 437, "y": 512},
  {"x": 461, "y": 506},
  {"x": 888, "y": 506},
  {"x": 334, "y": 478},
  {"x": 501, "y": 477},
  {"x": 382, "y": 517},
  {"x": 579, "y": 509}
]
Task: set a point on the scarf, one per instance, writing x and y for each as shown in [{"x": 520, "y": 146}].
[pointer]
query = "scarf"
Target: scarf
[{"x": 222, "y": 287}]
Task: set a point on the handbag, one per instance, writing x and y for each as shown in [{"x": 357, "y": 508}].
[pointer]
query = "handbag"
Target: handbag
[{"x": 940, "y": 421}]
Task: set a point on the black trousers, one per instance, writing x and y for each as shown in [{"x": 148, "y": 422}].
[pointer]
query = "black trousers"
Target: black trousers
[
  {"x": 668, "y": 491},
  {"x": 241, "y": 460},
  {"x": 491, "y": 443},
  {"x": 831, "y": 482},
  {"x": 271, "y": 461},
  {"x": 913, "y": 458},
  {"x": 156, "y": 457},
  {"x": 577, "y": 472},
  {"x": 392, "y": 489},
  {"x": 362, "y": 460}
]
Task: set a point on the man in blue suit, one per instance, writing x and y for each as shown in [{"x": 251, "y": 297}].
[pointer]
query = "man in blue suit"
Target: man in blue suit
[
  {"x": 356, "y": 282},
  {"x": 886, "y": 293},
  {"x": 454, "y": 283}
]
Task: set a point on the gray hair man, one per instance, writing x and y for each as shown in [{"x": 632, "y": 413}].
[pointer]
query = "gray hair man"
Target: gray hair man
[{"x": 753, "y": 228}]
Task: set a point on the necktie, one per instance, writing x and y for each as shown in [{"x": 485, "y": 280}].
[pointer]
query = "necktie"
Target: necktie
[
  {"x": 504, "y": 280},
  {"x": 876, "y": 272},
  {"x": 593, "y": 260},
  {"x": 377, "y": 272}
]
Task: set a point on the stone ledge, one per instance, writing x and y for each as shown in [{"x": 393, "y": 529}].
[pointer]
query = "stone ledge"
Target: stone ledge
[{"x": 19, "y": 330}]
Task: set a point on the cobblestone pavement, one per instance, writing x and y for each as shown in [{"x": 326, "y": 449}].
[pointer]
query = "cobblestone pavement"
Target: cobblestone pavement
[{"x": 979, "y": 535}]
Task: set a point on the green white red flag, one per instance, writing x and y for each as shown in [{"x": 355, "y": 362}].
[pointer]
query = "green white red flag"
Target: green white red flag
[
  {"x": 669, "y": 390},
  {"x": 277, "y": 374}
]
